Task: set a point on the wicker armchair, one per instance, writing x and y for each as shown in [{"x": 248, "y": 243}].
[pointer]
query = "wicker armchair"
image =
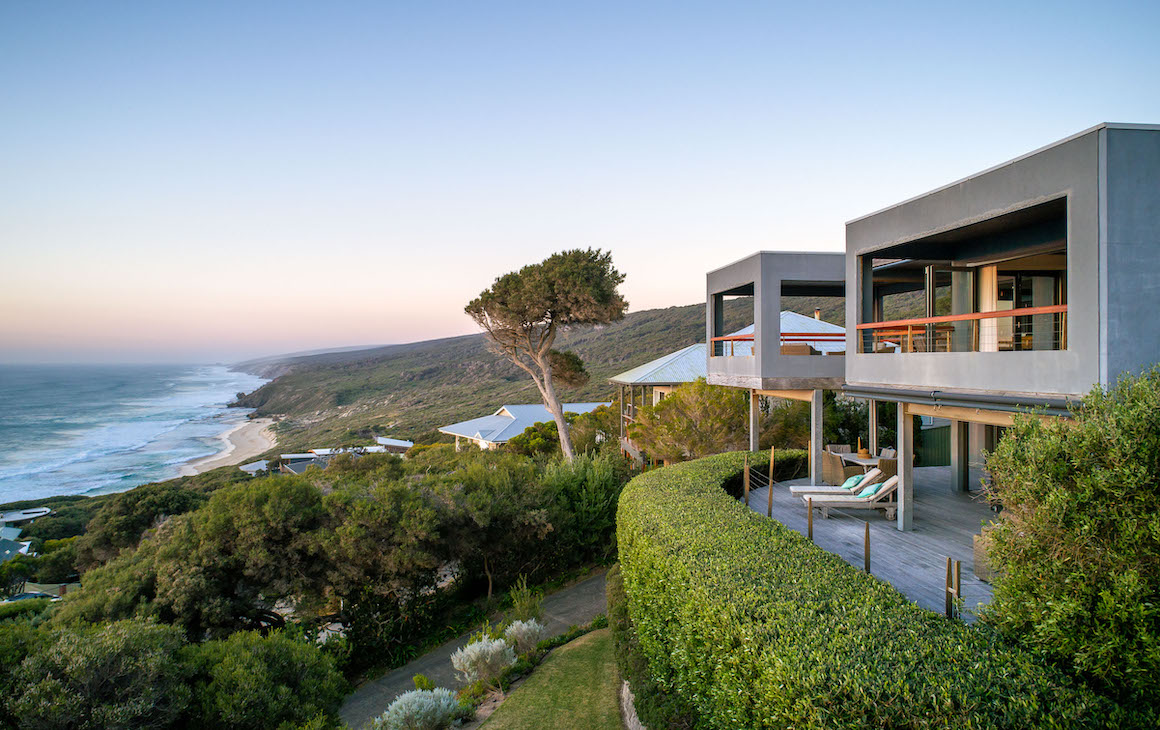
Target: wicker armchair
[
  {"x": 839, "y": 448},
  {"x": 889, "y": 467},
  {"x": 835, "y": 471}
]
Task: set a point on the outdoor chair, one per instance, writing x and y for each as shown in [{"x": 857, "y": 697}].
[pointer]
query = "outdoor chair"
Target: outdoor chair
[
  {"x": 871, "y": 477},
  {"x": 888, "y": 454},
  {"x": 835, "y": 471},
  {"x": 889, "y": 467},
  {"x": 839, "y": 448},
  {"x": 882, "y": 499}
]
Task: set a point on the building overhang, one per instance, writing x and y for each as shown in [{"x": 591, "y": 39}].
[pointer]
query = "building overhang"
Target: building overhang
[{"x": 955, "y": 403}]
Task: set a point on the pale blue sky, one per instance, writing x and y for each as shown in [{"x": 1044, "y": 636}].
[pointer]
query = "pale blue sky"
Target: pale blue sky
[{"x": 222, "y": 180}]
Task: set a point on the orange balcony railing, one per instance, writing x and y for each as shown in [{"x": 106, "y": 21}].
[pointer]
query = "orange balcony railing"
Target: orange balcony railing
[
  {"x": 1028, "y": 328},
  {"x": 726, "y": 346}
]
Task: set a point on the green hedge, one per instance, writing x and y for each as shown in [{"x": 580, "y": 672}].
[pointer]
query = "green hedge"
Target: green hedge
[{"x": 754, "y": 626}]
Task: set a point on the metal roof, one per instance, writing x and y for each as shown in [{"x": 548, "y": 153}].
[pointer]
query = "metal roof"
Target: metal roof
[
  {"x": 385, "y": 441},
  {"x": 682, "y": 366},
  {"x": 9, "y": 533},
  {"x": 254, "y": 466},
  {"x": 510, "y": 421},
  {"x": 10, "y": 549}
]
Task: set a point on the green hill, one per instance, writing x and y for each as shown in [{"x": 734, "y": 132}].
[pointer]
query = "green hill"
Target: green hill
[{"x": 407, "y": 390}]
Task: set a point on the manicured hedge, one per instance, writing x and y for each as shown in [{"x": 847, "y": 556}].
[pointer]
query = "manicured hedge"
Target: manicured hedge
[{"x": 753, "y": 626}]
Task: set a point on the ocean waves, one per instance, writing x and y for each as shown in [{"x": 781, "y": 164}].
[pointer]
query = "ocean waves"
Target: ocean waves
[{"x": 96, "y": 429}]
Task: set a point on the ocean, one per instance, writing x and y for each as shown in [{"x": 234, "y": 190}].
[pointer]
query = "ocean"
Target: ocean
[{"x": 94, "y": 429}]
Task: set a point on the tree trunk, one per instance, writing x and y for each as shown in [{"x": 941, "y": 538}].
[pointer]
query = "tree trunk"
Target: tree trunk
[
  {"x": 552, "y": 401},
  {"x": 487, "y": 572}
]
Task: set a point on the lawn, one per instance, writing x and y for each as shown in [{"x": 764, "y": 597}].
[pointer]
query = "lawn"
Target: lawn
[{"x": 576, "y": 687}]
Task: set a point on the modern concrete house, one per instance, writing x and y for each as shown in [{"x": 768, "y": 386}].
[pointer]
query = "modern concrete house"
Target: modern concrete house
[
  {"x": 1019, "y": 287},
  {"x": 771, "y": 359}
]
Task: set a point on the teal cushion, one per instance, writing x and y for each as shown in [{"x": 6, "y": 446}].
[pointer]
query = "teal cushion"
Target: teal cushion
[
  {"x": 870, "y": 490},
  {"x": 853, "y": 481}
]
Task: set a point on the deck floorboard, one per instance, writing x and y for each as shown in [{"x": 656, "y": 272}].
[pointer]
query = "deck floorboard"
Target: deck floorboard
[{"x": 914, "y": 562}]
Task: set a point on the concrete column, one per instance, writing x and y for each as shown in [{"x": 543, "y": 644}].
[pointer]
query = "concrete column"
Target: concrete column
[
  {"x": 754, "y": 421},
  {"x": 905, "y": 469},
  {"x": 872, "y": 408},
  {"x": 457, "y": 447},
  {"x": 960, "y": 456},
  {"x": 816, "y": 437}
]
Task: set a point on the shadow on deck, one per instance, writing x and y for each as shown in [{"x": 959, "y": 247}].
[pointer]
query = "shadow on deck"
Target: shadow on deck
[{"x": 913, "y": 562}]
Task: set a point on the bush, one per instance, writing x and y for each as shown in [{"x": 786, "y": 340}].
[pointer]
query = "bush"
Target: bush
[
  {"x": 119, "y": 675},
  {"x": 483, "y": 660},
  {"x": 27, "y": 607},
  {"x": 1078, "y": 548},
  {"x": 526, "y": 603},
  {"x": 757, "y": 627},
  {"x": 422, "y": 709},
  {"x": 255, "y": 681},
  {"x": 524, "y": 635},
  {"x": 582, "y": 496}
]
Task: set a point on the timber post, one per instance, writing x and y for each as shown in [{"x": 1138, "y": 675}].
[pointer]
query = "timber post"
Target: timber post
[
  {"x": 745, "y": 480},
  {"x": 954, "y": 587},
  {"x": 810, "y": 519},
  {"x": 866, "y": 546}
]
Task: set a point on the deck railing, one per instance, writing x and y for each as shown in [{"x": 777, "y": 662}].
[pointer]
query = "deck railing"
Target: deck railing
[
  {"x": 1029, "y": 328},
  {"x": 726, "y": 346}
]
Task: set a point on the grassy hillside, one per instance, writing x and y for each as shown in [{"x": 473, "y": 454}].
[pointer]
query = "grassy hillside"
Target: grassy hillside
[{"x": 408, "y": 390}]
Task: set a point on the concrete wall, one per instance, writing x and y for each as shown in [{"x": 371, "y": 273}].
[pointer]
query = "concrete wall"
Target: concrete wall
[
  {"x": 768, "y": 368},
  {"x": 1132, "y": 242},
  {"x": 1068, "y": 170}
]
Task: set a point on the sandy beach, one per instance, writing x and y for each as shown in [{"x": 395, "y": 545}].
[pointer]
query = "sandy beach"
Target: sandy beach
[{"x": 243, "y": 443}]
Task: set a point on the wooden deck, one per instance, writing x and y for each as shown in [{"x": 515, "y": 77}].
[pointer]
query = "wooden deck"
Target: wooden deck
[{"x": 913, "y": 562}]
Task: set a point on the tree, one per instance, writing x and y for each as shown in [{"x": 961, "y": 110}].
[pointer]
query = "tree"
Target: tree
[
  {"x": 1077, "y": 548},
  {"x": 523, "y": 311},
  {"x": 696, "y": 420},
  {"x": 121, "y": 521},
  {"x": 253, "y": 681},
  {"x": 120, "y": 675}
]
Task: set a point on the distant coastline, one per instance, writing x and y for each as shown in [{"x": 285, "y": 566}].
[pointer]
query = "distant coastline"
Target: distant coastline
[{"x": 242, "y": 443}]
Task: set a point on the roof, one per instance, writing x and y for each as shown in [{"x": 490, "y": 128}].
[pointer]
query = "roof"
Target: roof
[
  {"x": 384, "y": 441},
  {"x": 299, "y": 457},
  {"x": 9, "y": 533},
  {"x": 254, "y": 466},
  {"x": 300, "y": 467},
  {"x": 510, "y": 421},
  {"x": 23, "y": 515},
  {"x": 682, "y": 366},
  {"x": 10, "y": 549}
]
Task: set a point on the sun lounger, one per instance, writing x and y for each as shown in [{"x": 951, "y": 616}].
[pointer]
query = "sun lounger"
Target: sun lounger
[
  {"x": 872, "y": 477},
  {"x": 882, "y": 499}
]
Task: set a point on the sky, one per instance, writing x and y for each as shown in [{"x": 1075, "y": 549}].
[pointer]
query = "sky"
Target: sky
[{"x": 204, "y": 182}]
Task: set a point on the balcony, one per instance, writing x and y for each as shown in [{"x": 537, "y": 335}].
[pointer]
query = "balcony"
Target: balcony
[{"x": 1026, "y": 328}]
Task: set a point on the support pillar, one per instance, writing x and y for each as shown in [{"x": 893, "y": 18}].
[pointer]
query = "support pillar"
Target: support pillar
[
  {"x": 816, "y": 437},
  {"x": 754, "y": 421},
  {"x": 960, "y": 456},
  {"x": 905, "y": 469},
  {"x": 623, "y": 430},
  {"x": 457, "y": 447},
  {"x": 872, "y": 408}
]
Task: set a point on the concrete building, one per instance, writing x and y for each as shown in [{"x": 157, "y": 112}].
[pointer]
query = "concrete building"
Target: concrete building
[
  {"x": 771, "y": 359},
  {"x": 491, "y": 432},
  {"x": 1022, "y": 286}
]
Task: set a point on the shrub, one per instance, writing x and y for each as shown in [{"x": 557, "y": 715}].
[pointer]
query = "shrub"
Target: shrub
[
  {"x": 526, "y": 603},
  {"x": 118, "y": 675},
  {"x": 524, "y": 635},
  {"x": 27, "y": 607},
  {"x": 483, "y": 660},
  {"x": 582, "y": 496},
  {"x": 422, "y": 709},
  {"x": 757, "y": 627},
  {"x": 255, "y": 681},
  {"x": 1078, "y": 548},
  {"x": 422, "y": 681}
]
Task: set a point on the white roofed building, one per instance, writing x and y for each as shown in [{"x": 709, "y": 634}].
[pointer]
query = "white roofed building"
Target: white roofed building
[{"x": 492, "y": 431}]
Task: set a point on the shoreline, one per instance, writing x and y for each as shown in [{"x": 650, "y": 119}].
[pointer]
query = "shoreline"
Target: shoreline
[{"x": 242, "y": 443}]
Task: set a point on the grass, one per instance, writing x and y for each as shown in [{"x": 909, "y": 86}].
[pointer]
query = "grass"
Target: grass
[{"x": 576, "y": 687}]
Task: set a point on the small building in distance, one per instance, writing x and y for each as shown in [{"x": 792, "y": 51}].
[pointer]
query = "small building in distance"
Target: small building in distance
[
  {"x": 394, "y": 446},
  {"x": 493, "y": 431}
]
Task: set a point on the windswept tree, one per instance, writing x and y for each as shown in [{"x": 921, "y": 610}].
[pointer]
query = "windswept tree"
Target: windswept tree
[{"x": 523, "y": 311}]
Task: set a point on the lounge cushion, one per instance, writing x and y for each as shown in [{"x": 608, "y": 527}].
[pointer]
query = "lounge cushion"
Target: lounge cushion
[
  {"x": 870, "y": 490},
  {"x": 853, "y": 481}
]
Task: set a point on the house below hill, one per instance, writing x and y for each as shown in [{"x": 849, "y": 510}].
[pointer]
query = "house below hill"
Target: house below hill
[{"x": 493, "y": 431}]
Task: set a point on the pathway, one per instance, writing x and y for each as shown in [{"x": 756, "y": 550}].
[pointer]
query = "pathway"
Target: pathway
[{"x": 575, "y": 605}]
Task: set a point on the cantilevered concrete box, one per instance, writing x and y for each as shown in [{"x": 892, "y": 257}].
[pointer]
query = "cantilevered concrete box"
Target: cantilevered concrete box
[
  {"x": 769, "y": 359},
  {"x": 1066, "y": 238}
]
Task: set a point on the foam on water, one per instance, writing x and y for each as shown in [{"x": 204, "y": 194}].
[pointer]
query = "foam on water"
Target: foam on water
[{"x": 97, "y": 429}]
